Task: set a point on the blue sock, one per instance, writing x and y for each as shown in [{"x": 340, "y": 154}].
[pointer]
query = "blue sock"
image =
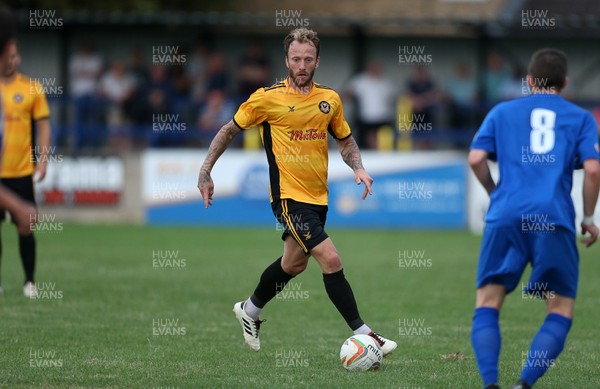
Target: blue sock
[
  {"x": 486, "y": 340},
  {"x": 545, "y": 347}
]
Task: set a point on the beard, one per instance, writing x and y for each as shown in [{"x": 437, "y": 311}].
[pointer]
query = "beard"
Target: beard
[
  {"x": 297, "y": 81},
  {"x": 9, "y": 71}
]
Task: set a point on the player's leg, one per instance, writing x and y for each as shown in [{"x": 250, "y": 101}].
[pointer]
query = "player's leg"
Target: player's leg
[
  {"x": 309, "y": 232},
  {"x": 549, "y": 340},
  {"x": 337, "y": 287},
  {"x": 501, "y": 263},
  {"x": 22, "y": 212},
  {"x": 490, "y": 296},
  {"x": 2, "y": 217},
  {"x": 286, "y": 267},
  {"x": 272, "y": 281},
  {"x": 27, "y": 250},
  {"x": 485, "y": 332},
  {"x": 340, "y": 292},
  {"x": 276, "y": 276},
  {"x": 23, "y": 187},
  {"x": 308, "y": 222},
  {"x": 554, "y": 275}
]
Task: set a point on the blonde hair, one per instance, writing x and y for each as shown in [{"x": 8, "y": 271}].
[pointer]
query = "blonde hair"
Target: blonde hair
[{"x": 302, "y": 35}]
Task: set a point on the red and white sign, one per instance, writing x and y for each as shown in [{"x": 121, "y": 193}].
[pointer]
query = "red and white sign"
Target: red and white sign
[{"x": 82, "y": 181}]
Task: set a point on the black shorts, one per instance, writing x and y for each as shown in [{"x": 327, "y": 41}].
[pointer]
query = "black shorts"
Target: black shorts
[
  {"x": 304, "y": 222},
  {"x": 23, "y": 187}
]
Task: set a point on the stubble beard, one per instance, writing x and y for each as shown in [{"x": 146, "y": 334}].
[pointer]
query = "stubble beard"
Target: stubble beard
[{"x": 296, "y": 81}]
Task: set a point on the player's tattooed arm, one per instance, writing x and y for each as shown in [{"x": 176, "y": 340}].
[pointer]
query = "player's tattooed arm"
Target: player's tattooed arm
[
  {"x": 219, "y": 145},
  {"x": 215, "y": 150},
  {"x": 350, "y": 153}
]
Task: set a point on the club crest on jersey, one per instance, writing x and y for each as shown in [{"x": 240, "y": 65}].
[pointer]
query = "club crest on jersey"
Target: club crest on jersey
[
  {"x": 324, "y": 107},
  {"x": 17, "y": 98}
]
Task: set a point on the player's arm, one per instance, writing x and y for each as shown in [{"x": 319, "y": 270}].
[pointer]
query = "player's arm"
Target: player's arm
[
  {"x": 43, "y": 140},
  {"x": 479, "y": 165},
  {"x": 591, "y": 186},
  {"x": 216, "y": 149},
  {"x": 351, "y": 155}
]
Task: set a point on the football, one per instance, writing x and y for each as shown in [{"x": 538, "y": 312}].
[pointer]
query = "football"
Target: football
[{"x": 361, "y": 353}]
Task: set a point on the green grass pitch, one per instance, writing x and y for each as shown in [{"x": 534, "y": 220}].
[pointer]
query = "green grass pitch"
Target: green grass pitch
[{"x": 112, "y": 316}]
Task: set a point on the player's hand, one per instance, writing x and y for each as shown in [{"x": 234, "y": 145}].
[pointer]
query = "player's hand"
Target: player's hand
[
  {"x": 206, "y": 186},
  {"x": 40, "y": 171},
  {"x": 361, "y": 175},
  {"x": 593, "y": 232}
]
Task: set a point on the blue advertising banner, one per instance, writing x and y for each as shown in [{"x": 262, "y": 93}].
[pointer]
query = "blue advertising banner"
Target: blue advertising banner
[
  {"x": 433, "y": 197},
  {"x": 411, "y": 190}
]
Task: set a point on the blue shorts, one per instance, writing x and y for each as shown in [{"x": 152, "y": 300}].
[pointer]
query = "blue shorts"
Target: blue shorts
[{"x": 506, "y": 251}]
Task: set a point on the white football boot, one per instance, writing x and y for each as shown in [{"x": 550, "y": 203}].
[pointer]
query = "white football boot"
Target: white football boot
[
  {"x": 250, "y": 327},
  {"x": 29, "y": 290},
  {"x": 387, "y": 345}
]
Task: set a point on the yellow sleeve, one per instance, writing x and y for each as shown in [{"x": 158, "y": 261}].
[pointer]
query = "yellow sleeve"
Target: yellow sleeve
[
  {"x": 338, "y": 127},
  {"x": 40, "y": 105},
  {"x": 252, "y": 112}
]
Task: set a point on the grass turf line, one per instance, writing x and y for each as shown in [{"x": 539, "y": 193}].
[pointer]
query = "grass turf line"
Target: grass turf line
[{"x": 103, "y": 333}]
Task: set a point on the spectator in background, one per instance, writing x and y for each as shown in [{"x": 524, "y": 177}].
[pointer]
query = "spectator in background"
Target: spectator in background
[
  {"x": 496, "y": 75},
  {"x": 516, "y": 86},
  {"x": 216, "y": 77},
  {"x": 464, "y": 103},
  {"x": 376, "y": 98},
  {"x": 85, "y": 68},
  {"x": 138, "y": 68},
  {"x": 253, "y": 71},
  {"x": 181, "y": 87},
  {"x": 196, "y": 71},
  {"x": 424, "y": 97},
  {"x": 157, "y": 101},
  {"x": 116, "y": 88},
  {"x": 214, "y": 114}
]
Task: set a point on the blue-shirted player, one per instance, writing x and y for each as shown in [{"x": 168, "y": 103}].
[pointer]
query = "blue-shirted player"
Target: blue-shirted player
[{"x": 537, "y": 141}]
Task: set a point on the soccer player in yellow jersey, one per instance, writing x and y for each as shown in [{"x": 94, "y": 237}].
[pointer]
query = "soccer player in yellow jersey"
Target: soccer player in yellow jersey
[
  {"x": 24, "y": 213},
  {"x": 23, "y": 102},
  {"x": 296, "y": 116}
]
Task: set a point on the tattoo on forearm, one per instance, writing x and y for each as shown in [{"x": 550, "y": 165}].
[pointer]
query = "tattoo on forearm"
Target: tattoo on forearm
[
  {"x": 351, "y": 154},
  {"x": 203, "y": 177},
  {"x": 218, "y": 146}
]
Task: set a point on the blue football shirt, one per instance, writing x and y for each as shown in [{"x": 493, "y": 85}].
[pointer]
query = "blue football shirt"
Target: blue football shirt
[{"x": 537, "y": 141}]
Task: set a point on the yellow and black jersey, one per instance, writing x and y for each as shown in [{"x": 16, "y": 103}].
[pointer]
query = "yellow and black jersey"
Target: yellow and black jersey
[
  {"x": 23, "y": 101},
  {"x": 294, "y": 128}
]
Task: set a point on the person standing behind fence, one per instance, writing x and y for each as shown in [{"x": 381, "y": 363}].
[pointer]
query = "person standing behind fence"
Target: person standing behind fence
[
  {"x": 376, "y": 98},
  {"x": 85, "y": 68},
  {"x": 116, "y": 88}
]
